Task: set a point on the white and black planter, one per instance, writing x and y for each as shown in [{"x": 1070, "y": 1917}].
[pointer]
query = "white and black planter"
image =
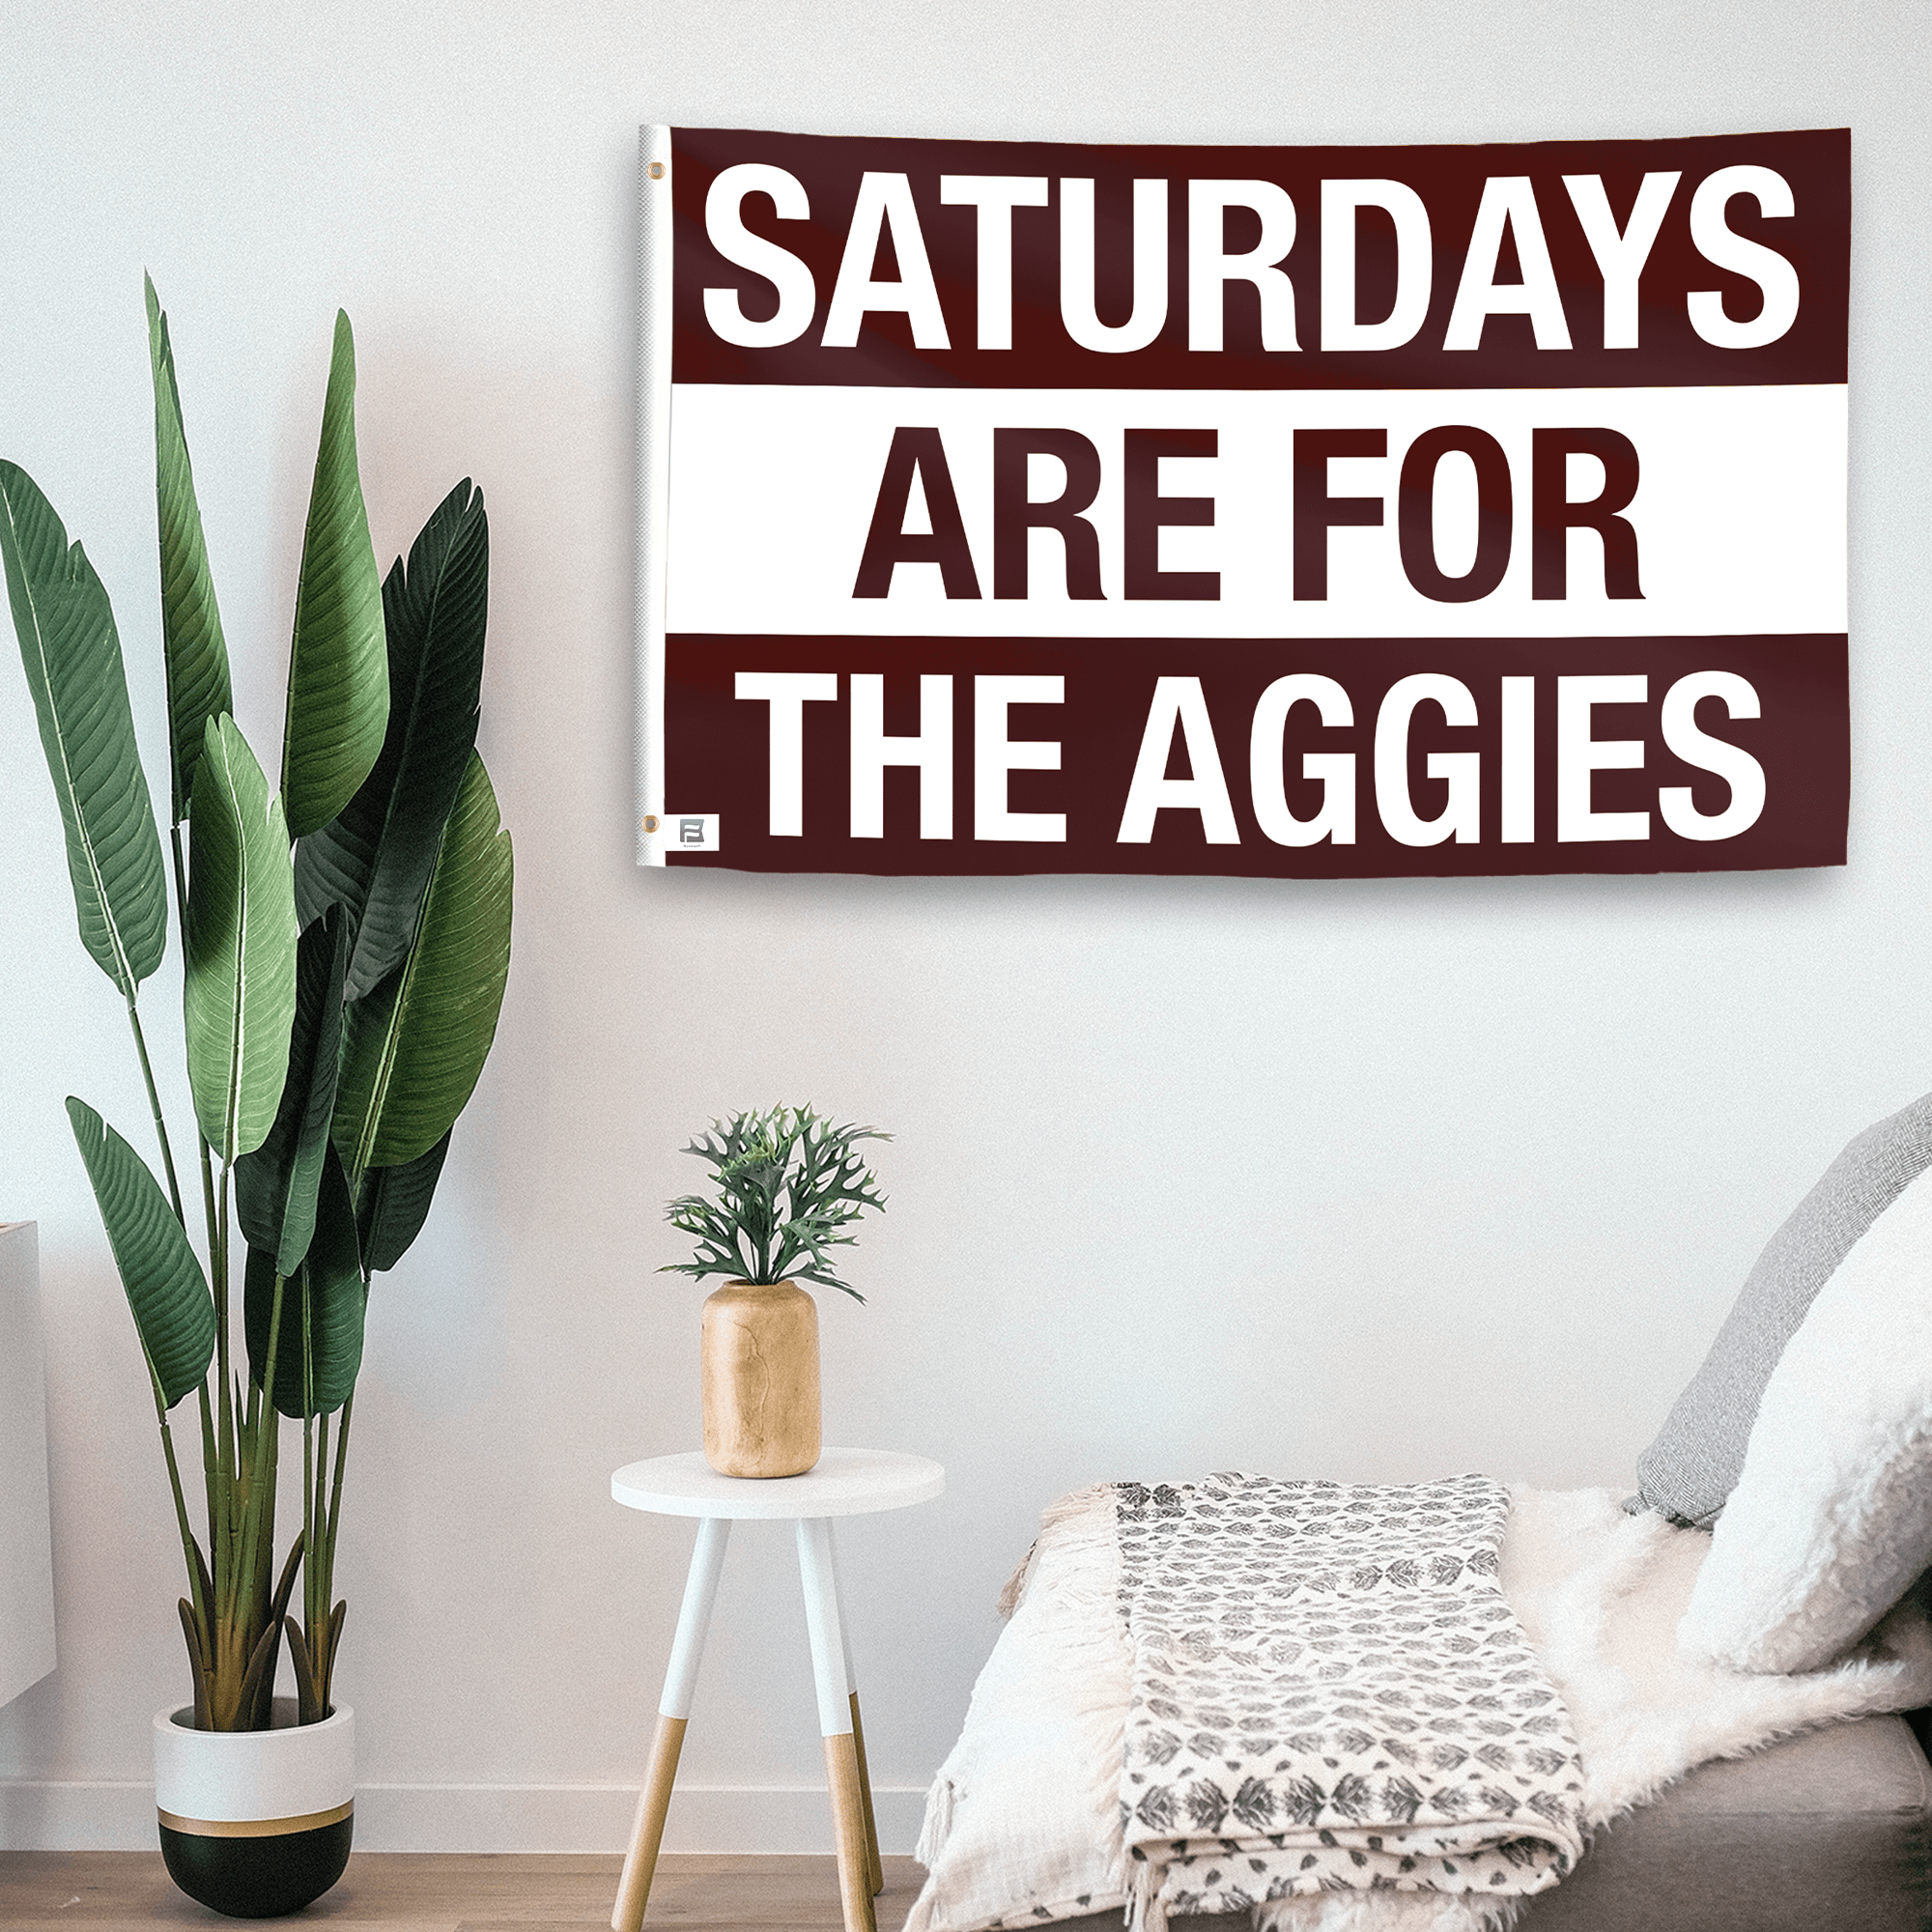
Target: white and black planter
[{"x": 256, "y": 1823}]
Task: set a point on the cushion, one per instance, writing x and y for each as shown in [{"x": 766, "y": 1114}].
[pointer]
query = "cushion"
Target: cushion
[
  {"x": 1690, "y": 1471},
  {"x": 1830, "y": 1830},
  {"x": 1832, "y": 1518}
]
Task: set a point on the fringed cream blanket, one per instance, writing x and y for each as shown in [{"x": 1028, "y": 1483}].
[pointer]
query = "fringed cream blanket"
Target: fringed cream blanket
[
  {"x": 1331, "y": 1695},
  {"x": 1023, "y": 1821}
]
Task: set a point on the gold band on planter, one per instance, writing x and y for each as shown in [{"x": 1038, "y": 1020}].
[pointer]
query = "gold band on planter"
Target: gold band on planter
[{"x": 255, "y": 1827}]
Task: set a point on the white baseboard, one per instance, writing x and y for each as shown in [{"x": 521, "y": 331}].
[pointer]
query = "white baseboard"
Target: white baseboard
[{"x": 43, "y": 1815}]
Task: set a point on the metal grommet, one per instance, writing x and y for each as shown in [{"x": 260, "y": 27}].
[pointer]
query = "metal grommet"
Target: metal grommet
[
  {"x": 657, "y": 171},
  {"x": 650, "y": 821}
]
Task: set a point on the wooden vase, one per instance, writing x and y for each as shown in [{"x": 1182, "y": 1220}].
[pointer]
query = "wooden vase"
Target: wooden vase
[{"x": 760, "y": 1348}]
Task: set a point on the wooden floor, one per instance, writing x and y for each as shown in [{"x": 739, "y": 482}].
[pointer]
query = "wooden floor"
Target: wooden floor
[{"x": 457, "y": 1892}]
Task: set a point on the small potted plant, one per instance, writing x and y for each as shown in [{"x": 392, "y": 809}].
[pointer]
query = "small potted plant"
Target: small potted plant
[
  {"x": 346, "y": 940},
  {"x": 789, "y": 1188}
]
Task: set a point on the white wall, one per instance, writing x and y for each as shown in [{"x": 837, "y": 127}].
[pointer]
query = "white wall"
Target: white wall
[{"x": 1374, "y": 1180}]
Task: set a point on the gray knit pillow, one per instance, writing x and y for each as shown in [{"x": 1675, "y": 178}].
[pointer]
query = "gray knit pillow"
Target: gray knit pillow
[{"x": 1689, "y": 1472}]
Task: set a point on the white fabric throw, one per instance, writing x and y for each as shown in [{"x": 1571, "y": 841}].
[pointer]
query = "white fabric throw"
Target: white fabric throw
[
  {"x": 1331, "y": 1695},
  {"x": 1023, "y": 1821}
]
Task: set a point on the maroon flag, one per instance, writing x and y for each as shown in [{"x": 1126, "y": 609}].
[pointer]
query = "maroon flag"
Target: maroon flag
[{"x": 1017, "y": 508}]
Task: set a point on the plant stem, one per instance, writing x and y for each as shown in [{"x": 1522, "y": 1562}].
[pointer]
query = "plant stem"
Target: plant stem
[
  {"x": 333, "y": 1516},
  {"x": 312, "y": 1464},
  {"x": 263, "y": 1435},
  {"x": 154, "y": 1106},
  {"x": 307, "y": 1690},
  {"x": 218, "y": 1492},
  {"x": 208, "y": 1213},
  {"x": 325, "y": 1570},
  {"x": 264, "y": 1391},
  {"x": 222, "y": 1276},
  {"x": 210, "y": 1466},
  {"x": 181, "y": 1515},
  {"x": 228, "y": 1580},
  {"x": 310, "y": 1471}
]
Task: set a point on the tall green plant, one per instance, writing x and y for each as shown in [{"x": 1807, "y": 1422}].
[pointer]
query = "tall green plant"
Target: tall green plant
[{"x": 340, "y": 997}]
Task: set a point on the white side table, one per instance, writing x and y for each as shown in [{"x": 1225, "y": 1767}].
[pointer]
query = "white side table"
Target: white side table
[{"x": 846, "y": 1482}]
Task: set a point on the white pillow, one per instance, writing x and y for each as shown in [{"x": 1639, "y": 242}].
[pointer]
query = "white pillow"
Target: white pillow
[{"x": 1832, "y": 1518}]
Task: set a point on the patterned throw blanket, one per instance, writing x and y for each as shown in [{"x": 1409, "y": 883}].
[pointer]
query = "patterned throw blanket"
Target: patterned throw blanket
[{"x": 1330, "y": 1692}]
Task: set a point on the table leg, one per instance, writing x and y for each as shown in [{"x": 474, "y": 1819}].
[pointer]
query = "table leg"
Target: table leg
[
  {"x": 700, "y": 1591},
  {"x": 873, "y": 1858},
  {"x": 818, "y": 1578}
]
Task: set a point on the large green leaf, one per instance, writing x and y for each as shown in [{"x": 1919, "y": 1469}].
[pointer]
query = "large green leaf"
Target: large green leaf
[
  {"x": 275, "y": 1185},
  {"x": 73, "y": 656},
  {"x": 239, "y": 991},
  {"x": 191, "y": 641},
  {"x": 325, "y": 1293},
  {"x": 394, "y": 1204},
  {"x": 415, "y": 1046},
  {"x": 338, "y": 668},
  {"x": 165, "y": 1286},
  {"x": 375, "y": 856}
]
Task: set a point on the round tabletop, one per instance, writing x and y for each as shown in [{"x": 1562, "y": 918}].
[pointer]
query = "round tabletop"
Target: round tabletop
[{"x": 844, "y": 1482}]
